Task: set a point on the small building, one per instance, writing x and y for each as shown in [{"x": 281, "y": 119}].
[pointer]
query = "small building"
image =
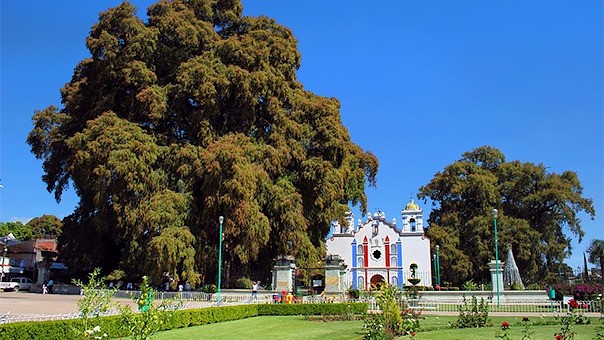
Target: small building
[
  {"x": 34, "y": 258},
  {"x": 378, "y": 250}
]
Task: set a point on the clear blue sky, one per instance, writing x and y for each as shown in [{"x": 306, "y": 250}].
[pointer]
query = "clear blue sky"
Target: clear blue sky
[{"x": 420, "y": 82}]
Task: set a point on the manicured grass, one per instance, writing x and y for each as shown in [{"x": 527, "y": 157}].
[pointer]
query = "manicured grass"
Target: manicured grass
[
  {"x": 296, "y": 327},
  {"x": 269, "y": 327}
]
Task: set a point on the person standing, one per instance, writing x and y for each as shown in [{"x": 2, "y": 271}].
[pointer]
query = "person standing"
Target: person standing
[
  {"x": 187, "y": 290},
  {"x": 255, "y": 286}
]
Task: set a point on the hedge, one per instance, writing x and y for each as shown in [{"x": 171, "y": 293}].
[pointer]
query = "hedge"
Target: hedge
[
  {"x": 67, "y": 329},
  {"x": 312, "y": 309}
]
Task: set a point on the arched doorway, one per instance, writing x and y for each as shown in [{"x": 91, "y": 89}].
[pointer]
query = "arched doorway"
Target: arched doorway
[{"x": 377, "y": 280}]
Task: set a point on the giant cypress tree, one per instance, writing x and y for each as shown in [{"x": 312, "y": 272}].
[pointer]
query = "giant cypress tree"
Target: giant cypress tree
[
  {"x": 193, "y": 114},
  {"x": 535, "y": 210}
]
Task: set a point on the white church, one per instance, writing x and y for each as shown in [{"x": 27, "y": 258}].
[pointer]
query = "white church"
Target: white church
[{"x": 382, "y": 251}]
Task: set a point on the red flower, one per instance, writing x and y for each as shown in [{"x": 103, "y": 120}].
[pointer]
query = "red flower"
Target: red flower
[
  {"x": 559, "y": 337},
  {"x": 505, "y": 325},
  {"x": 573, "y": 303}
]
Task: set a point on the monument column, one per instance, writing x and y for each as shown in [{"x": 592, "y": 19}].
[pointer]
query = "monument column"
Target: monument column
[
  {"x": 283, "y": 271},
  {"x": 334, "y": 266},
  {"x": 496, "y": 276}
]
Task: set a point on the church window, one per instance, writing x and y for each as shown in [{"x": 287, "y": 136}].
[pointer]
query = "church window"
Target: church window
[
  {"x": 413, "y": 224},
  {"x": 393, "y": 249},
  {"x": 392, "y": 260},
  {"x": 360, "y": 261},
  {"x": 361, "y": 282},
  {"x": 394, "y": 281},
  {"x": 360, "y": 250},
  {"x": 377, "y": 254}
]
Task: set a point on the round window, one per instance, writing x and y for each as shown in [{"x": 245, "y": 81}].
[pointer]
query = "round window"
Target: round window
[{"x": 377, "y": 254}]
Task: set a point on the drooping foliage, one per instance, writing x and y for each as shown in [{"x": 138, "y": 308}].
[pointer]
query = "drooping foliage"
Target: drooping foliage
[
  {"x": 194, "y": 114},
  {"x": 536, "y": 209},
  {"x": 596, "y": 254}
]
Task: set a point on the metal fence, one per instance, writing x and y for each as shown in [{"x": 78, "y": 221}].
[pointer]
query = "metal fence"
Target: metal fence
[{"x": 520, "y": 306}]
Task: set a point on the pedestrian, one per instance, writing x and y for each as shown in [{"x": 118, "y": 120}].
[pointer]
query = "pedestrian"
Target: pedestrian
[
  {"x": 255, "y": 286},
  {"x": 49, "y": 285},
  {"x": 187, "y": 290},
  {"x": 44, "y": 288},
  {"x": 167, "y": 280}
]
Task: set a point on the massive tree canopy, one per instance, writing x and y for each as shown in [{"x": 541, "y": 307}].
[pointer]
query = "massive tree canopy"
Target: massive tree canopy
[
  {"x": 535, "y": 209},
  {"x": 194, "y": 114}
]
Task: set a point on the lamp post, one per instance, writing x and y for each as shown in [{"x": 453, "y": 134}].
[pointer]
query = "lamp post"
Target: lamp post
[
  {"x": 434, "y": 268},
  {"x": 220, "y": 219},
  {"x": 437, "y": 266},
  {"x": 496, "y": 254}
]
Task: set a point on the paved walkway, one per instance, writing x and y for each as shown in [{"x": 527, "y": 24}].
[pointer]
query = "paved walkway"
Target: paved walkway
[{"x": 26, "y": 303}]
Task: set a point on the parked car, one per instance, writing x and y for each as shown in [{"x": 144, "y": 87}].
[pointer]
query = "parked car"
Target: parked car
[
  {"x": 24, "y": 282},
  {"x": 16, "y": 284}
]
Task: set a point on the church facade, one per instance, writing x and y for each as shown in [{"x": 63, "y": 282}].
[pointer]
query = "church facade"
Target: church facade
[{"x": 378, "y": 250}]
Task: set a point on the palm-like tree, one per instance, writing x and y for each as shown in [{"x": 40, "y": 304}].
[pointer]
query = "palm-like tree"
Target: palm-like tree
[{"x": 596, "y": 254}]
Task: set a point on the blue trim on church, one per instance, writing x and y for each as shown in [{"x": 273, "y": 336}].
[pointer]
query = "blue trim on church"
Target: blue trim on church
[
  {"x": 399, "y": 263},
  {"x": 354, "y": 264}
]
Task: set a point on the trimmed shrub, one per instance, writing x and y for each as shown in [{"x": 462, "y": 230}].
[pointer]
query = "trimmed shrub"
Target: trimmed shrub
[
  {"x": 312, "y": 309},
  {"x": 60, "y": 329}
]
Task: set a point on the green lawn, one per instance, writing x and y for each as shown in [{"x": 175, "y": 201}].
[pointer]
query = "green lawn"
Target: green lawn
[
  {"x": 296, "y": 327},
  {"x": 269, "y": 327}
]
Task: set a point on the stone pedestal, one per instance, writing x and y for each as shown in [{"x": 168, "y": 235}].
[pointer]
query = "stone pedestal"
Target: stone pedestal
[
  {"x": 496, "y": 276},
  {"x": 43, "y": 272},
  {"x": 283, "y": 273},
  {"x": 335, "y": 273}
]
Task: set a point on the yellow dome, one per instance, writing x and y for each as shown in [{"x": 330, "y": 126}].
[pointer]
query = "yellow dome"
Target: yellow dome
[{"x": 411, "y": 206}]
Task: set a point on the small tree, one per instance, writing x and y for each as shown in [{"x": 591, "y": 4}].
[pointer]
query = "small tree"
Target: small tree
[
  {"x": 474, "y": 315},
  {"x": 389, "y": 324},
  {"x": 96, "y": 300},
  {"x": 148, "y": 320}
]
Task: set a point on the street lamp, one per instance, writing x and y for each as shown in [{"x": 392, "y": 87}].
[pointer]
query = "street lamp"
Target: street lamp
[
  {"x": 434, "y": 268},
  {"x": 221, "y": 220},
  {"x": 496, "y": 254},
  {"x": 437, "y": 266}
]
